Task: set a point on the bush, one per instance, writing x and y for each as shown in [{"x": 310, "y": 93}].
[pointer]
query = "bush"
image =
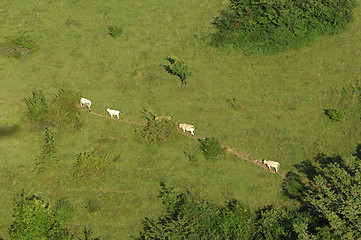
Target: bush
[
  {"x": 275, "y": 25},
  {"x": 158, "y": 132},
  {"x": 65, "y": 104},
  {"x": 61, "y": 111},
  {"x": 19, "y": 46},
  {"x": 63, "y": 211},
  {"x": 36, "y": 107},
  {"x": 90, "y": 165},
  {"x": 333, "y": 114},
  {"x": 47, "y": 159},
  {"x": 178, "y": 67},
  {"x": 115, "y": 31},
  {"x": 211, "y": 148}
]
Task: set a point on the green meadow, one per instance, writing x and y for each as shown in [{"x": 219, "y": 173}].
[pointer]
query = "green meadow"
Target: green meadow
[{"x": 269, "y": 106}]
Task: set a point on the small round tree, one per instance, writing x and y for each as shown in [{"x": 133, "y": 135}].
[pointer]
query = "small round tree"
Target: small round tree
[{"x": 178, "y": 67}]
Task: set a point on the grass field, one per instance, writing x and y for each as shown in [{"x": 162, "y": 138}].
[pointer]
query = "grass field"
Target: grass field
[{"x": 277, "y": 114}]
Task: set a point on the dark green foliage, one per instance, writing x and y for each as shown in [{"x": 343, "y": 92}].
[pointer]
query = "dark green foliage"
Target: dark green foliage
[
  {"x": 191, "y": 217},
  {"x": 63, "y": 211},
  {"x": 333, "y": 114},
  {"x": 115, "y": 31},
  {"x": 36, "y": 106},
  {"x": 275, "y": 25},
  {"x": 47, "y": 159},
  {"x": 211, "y": 148},
  {"x": 293, "y": 186},
  {"x": 178, "y": 67},
  {"x": 18, "y": 46},
  {"x": 282, "y": 223},
  {"x": 337, "y": 195},
  {"x": 90, "y": 165},
  {"x": 158, "y": 132},
  {"x": 34, "y": 219}
]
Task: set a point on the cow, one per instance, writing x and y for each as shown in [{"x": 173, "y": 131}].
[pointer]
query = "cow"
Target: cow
[
  {"x": 113, "y": 112},
  {"x": 269, "y": 164},
  {"x": 85, "y": 102},
  {"x": 187, "y": 127},
  {"x": 157, "y": 118}
]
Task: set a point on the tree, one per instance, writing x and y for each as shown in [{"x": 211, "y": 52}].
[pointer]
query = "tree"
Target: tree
[
  {"x": 34, "y": 219},
  {"x": 190, "y": 217},
  {"x": 179, "y": 68},
  {"x": 336, "y": 197}
]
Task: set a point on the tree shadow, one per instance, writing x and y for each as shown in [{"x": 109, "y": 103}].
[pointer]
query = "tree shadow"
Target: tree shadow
[
  {"x": 313, "y": 167},
  {"x": 358, "y": 151},
  {"x": 8, "y": 131}
]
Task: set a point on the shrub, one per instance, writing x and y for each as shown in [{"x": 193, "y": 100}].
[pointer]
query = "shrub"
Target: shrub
[
  {"x": 115, "y": 31},
  {"x": 19, "y": 46},
  {"x": 211, "y": 148},
  {"x": 61, "y": 111},
  {"x": 47, "y": 159},
  {"x": 158, "y": 132},
  {"x": 178, "y": 67},
  {"x": 333, "y": 114},
  {"x": 63, "y": 211},
  {"x": 65, "y": 110},
  {"x": 275, "y": 25},
  {"x": 90, "y": 165},
  {"x": 36, "y": 106}
]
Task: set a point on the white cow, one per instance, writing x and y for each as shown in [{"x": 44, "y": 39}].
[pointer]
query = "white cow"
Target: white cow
[
  {"x": 113, "y": 112},
  {"x": 187, "y": 127},
  {"x": 269, "y": 164},
  {"x": 157, "y": 118},
  {"x": 85, "y": 102}
]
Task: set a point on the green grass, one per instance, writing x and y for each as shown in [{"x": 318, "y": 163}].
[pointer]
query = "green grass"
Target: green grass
[{"x": 281, "y": 99}]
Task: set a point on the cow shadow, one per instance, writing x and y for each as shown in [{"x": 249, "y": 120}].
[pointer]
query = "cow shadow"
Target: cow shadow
[{"x": 8, "y": 131}]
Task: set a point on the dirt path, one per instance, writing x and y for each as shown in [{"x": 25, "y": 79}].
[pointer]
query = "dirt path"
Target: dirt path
[{"x": 244, "y": 156}]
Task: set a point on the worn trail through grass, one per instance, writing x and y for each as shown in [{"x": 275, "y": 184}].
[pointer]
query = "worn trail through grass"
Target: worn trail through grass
[{"x": 244, "y": 156}]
